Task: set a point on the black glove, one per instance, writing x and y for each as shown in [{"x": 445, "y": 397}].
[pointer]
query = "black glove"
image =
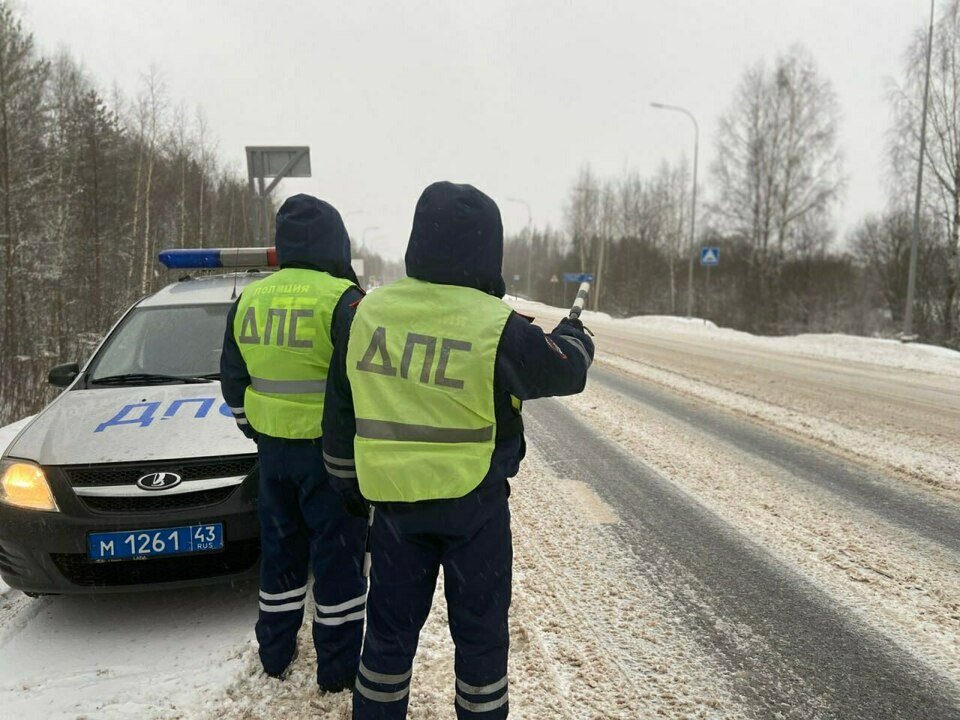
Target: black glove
[
  {"x": 354, "y": 503},
  {"x": 575, "y": 323},
  {"x": 248, "y": 430}
]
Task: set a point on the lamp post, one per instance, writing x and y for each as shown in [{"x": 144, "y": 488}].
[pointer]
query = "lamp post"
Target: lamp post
[
  {"x": 529, "y": 240},
  {"x": 915, "y": 235},
  {"x": 693, "y": 203}
]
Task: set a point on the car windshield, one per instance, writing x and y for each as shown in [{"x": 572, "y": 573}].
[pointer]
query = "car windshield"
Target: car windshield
[{"x": 181, "y": 341}]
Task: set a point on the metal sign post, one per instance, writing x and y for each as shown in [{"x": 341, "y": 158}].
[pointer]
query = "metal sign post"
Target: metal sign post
[
  {"x": 275, "y": 162},
  {"x": 709, "y": 257}
]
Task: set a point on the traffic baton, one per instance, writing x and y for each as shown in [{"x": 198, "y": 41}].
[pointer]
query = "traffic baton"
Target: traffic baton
[{"x": 580, "y": 301}]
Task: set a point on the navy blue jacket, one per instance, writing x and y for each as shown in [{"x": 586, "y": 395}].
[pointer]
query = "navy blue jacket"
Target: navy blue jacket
[
  {"x": 310, "y": 235},
  {"x": 457, "y": 239}
]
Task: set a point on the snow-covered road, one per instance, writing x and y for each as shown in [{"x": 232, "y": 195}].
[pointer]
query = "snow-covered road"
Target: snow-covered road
[{"x": 721, "y": 526}]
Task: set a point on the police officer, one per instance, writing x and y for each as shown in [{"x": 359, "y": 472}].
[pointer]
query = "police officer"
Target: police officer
[
  {"x": 280, "y": 336},
  {"x": 423, "y": 419}
]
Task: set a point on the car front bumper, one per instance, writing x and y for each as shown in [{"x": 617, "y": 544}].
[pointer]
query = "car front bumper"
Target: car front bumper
[{"x": 46, "y": 552}]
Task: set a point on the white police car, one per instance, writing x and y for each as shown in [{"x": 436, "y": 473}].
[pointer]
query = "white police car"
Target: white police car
[{"x": 136, "y": 476}]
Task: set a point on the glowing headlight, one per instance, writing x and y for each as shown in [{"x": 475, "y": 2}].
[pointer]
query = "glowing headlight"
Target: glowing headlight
[{"x": 24, "y": 485}]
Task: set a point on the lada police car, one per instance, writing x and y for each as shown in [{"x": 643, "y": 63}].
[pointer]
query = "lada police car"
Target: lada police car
[{"x": 136, "y": 476}]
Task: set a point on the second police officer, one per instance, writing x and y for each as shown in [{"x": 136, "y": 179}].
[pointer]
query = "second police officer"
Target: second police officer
[
  {"x": 423, "y": 419},
  {"x": 280, "y": 336}
]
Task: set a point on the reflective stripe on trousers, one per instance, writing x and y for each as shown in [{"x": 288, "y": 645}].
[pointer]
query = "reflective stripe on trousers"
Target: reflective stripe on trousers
[
  {"x": 482, "y": 698},
  {"x": 382, "y": 687},
  {"x": 284, "y": 601},
  {"x": 345, "y": 612}
]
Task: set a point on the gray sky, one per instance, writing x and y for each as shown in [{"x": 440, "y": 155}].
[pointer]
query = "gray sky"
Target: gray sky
[{"x": 512, "y": 97}]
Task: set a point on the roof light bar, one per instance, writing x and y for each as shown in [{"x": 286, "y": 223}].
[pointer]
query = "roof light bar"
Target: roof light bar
[{"x": 219, "y": 258}]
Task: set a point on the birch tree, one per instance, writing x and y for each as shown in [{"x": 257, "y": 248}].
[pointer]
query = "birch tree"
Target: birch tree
[
  {"x": 777, "y": 161},
  {"x": 941, "y": 191}
]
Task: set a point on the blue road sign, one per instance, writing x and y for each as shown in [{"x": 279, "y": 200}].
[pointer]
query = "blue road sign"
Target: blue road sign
[
  {"x": 577, "y": 277},
  {"x": 709, "y": 256}
]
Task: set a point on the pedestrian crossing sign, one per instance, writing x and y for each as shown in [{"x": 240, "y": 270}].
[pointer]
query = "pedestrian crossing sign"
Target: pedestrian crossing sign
[{"x": 709, "y": 256}]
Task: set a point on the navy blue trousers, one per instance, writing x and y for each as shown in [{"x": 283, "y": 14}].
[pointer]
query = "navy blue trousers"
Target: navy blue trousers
[
  {"x": 470, "y": 538},
  {"x": 303, "y": 526}
]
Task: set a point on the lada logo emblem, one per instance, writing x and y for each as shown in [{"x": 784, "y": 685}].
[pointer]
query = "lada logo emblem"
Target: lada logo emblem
[{"x": 159, "y": 481}]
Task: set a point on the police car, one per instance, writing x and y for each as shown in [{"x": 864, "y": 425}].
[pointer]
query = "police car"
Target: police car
[{"x": 136, "y": 476}]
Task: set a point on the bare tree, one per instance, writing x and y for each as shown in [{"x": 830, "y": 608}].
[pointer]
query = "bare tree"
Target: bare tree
[
  {"x": 777, "y": 161},
  {"x": 22, "y": 78},
  {"x": 207, "y": 167},
  {"x": 582, "y": 215},
  {"x": 150, "y": 108},
  {"x": 941, "y": 192},
  {"x": 87, "y": 193}
]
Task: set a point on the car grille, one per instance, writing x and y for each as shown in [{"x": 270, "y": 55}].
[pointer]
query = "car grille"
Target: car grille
[
  {"x": 237, "y": 557},
  {"x": 154, "y": 503},
  {"x": 127, "y": 474}
]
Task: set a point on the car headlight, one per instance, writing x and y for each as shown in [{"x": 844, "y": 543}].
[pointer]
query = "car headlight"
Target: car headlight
[{"x": 24, "y": 485}]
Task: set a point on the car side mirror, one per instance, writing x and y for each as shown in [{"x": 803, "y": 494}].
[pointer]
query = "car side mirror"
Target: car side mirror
[{"x": 63, "y": 375}]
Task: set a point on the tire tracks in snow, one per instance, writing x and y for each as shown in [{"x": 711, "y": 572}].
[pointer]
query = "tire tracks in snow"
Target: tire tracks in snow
[
  {"x": 903, "y": 585},
  {"x": 788, "y": 649},
  {"x": 589, "y": 639},
  {"x": 914, "y": 510},
  {"x": 615, "y": 649},
  {"x": 841, "y": 428}
]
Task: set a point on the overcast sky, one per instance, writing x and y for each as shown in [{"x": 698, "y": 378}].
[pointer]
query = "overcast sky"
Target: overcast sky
[{"x": 512, "y": 97}]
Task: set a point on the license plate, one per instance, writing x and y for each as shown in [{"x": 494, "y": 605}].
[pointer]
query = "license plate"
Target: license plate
[{"x": 139, "y": 544}]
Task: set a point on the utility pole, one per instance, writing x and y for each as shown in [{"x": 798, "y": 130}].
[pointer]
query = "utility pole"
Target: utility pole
[
  {"x": 915, "y": 239},
  {"x": 693, "y": 203},
  {"x": 529, "y": 242}
]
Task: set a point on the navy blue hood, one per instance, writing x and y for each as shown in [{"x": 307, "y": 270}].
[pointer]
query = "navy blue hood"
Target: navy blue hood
[
  {"x": 457, "y": 239},
  {"x": 311, "y": 234}
]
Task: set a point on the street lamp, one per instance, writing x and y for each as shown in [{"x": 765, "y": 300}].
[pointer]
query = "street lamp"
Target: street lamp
[
  {"x": 529, "y": 240},
  {"x": 915, "y": 235},
  {"x": 693, "y": 208}
]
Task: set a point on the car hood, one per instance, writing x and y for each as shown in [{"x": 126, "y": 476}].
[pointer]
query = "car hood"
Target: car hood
[{"x": 105, "y": 425}]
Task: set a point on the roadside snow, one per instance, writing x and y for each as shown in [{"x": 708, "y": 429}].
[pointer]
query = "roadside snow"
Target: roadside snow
[
  {"x": 191, "y": 653},
  {"x": 631, "y": 659},
  {"x": 872, "y": 351},
  {"x": 144, "y": 655}
]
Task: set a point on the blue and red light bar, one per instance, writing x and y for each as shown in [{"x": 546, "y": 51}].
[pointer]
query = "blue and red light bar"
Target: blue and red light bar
[{"x": 195, "y": 259}]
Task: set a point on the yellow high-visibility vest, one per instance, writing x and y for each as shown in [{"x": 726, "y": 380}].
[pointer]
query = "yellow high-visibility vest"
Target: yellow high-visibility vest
[
  {"x": 282, "y": 327},
  {"x": 420, "y": 361}
]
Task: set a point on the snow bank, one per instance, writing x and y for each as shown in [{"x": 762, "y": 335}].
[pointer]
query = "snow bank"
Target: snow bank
[
  {"x": 884, "y": 352},
  {"x": 142, "y": 655}
]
